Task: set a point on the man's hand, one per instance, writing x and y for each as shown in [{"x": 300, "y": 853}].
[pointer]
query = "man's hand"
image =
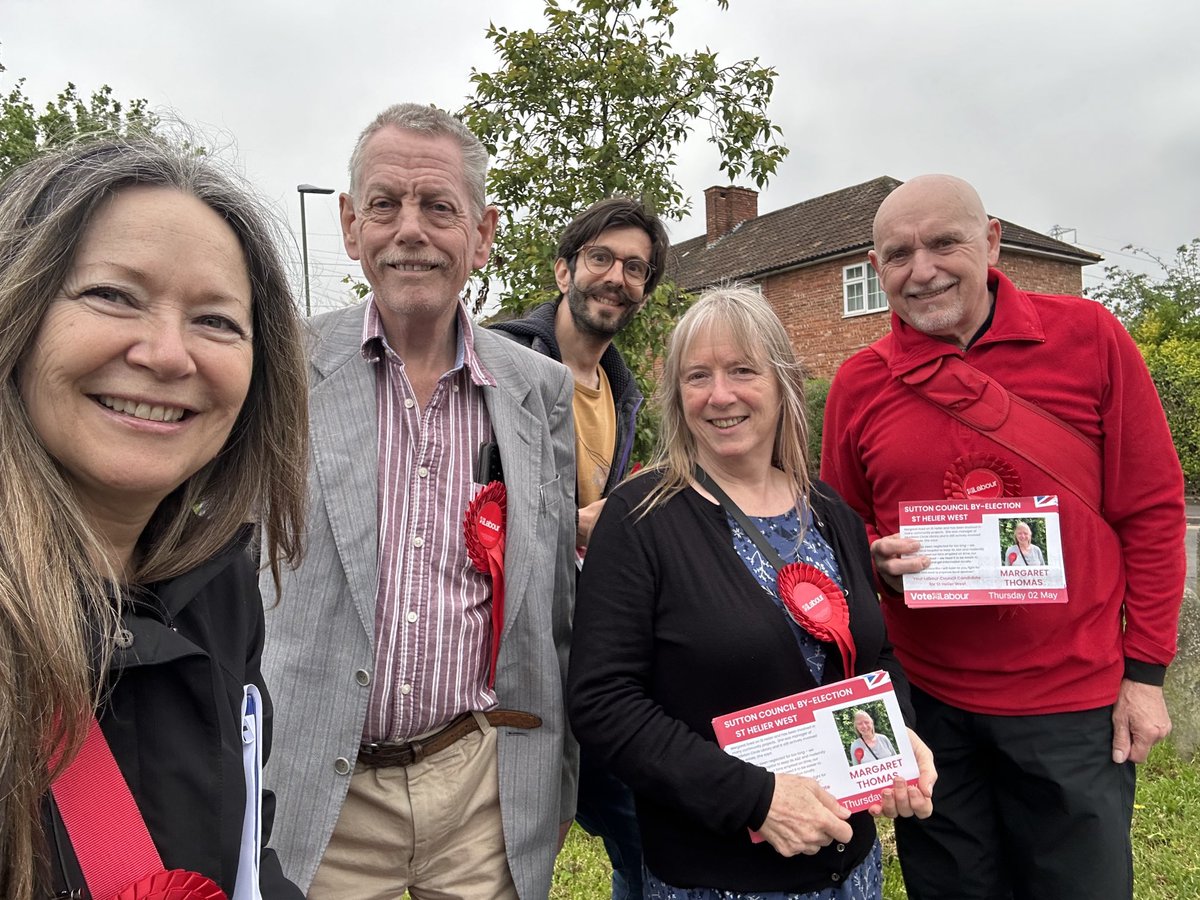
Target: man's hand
[
  {"x": 1140, "y": 720},
  {"x": 804, "y": 817},
  {"x": 903, "y": 799},
  {"x": 587, "y": 517},
  {"x": 887, "y": 554}
]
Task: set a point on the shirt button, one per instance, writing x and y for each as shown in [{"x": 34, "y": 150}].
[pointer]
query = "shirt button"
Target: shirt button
[
  {"x": 341, "y": 765},
  {"x": 835, "y": 877},
  {"x": 454, "y": 388},
  {"x": 423, "y": 472},
  {"x": 123, "y": 638},
  {"x": 409, "y": 403},
  {"x": 412, "y": 616},
  {"x": 406, "y": 689},
  {"x": 418, "y": 542},
  {"x": 363, "y": 677},
  {"x": 841, "y": 848}
]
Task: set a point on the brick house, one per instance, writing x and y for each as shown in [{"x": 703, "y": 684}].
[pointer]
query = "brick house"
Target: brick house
[{"x": 810, "y": 260}]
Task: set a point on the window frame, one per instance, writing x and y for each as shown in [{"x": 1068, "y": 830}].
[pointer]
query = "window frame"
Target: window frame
[{"x": 872, "y": 290}]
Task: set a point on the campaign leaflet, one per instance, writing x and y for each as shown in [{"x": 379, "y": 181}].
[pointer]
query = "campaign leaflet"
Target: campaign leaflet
[
  {"x": 813, "y": 734},
  {"x": 986, "y": 552}
]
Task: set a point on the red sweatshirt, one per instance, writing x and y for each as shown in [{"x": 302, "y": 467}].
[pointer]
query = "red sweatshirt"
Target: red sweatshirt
[{"x": 883, "y": 444}]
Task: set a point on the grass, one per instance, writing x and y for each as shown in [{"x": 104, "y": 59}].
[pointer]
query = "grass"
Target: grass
[{"x": 1166, "y": 822}]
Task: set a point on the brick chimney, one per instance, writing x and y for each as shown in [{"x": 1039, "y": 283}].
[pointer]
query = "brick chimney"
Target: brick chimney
[{"x": 727, "y": 207}]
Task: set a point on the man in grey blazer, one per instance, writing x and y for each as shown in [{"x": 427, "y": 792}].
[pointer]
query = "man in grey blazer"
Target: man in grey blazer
[{"x": 408, "y": 753}]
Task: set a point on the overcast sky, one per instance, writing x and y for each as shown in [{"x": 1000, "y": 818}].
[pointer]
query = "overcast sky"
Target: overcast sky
[{"x": 1078, "y": 113}]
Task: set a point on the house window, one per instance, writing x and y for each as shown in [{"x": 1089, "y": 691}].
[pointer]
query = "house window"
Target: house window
[{"x": 861, "y": 292}]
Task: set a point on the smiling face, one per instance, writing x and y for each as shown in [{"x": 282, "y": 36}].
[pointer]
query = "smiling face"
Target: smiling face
[
  {"x": 412, "y": 226},
  {"x": 143, "y": 359},
  {"x": 864, "y": 726},
  {"x": 602, "y": 304},
  {"x": 1023, "y": 535},
  {"x": 731, "y": 403},
  {"x": 933, "y": 246}
]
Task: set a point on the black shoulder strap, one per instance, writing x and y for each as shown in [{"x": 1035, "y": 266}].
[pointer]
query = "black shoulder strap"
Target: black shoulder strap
[{"x": 752, "y": 532}]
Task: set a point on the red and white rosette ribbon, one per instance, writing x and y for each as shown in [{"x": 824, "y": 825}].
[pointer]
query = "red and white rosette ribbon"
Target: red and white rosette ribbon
[
  {"x": 174, "y": 885},
  {"x": 483, "y": 531},
  {"x": 980, "y": 476},
  {"x": 818, "y": 606}
]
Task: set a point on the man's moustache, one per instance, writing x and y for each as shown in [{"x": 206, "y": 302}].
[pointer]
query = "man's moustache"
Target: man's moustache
[{"x": 619, "y": 294}]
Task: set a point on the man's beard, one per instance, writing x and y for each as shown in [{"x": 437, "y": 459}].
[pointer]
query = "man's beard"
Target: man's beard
[{"x": 589, "y": 322}]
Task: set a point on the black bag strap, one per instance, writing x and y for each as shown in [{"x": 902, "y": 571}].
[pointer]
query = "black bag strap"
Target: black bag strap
[{"x": 760, "y": 540}]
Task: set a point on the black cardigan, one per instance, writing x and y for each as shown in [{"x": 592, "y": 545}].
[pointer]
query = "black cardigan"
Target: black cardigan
[{"x": 671, "y": 630}]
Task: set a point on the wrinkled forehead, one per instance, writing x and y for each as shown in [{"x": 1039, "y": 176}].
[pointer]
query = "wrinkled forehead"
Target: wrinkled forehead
[{"x": 929, "y": 205}]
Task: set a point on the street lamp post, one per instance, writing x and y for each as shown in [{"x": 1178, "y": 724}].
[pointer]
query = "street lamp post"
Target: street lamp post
[{"x": 307, "y": 189}]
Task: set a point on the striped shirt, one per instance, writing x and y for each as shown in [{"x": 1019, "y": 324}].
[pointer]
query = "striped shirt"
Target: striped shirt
[{"x": 433, "y": 610}]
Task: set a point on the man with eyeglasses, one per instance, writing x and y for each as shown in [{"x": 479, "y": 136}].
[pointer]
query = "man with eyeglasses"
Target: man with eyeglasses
[{"x": 610, "y": 258}]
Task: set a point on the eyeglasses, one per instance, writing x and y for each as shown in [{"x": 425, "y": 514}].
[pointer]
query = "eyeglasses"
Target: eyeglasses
[{"x": 599, "y": 260}]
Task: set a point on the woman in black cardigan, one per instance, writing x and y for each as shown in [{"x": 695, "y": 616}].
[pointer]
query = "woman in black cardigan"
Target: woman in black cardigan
[{"x": 678, "y": 620}]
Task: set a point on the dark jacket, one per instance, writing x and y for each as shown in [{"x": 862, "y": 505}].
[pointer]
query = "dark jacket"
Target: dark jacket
[
  {"x": 536, "y": 331},
  {"x": 173, "y": 721},
  {"x": 671, "y": 630}
]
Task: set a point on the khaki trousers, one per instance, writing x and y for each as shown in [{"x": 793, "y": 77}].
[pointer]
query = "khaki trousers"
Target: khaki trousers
[{"x": 432, "y": 828}]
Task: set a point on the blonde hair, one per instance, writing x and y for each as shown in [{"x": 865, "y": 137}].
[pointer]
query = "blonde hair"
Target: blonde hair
[
  {"x": 59, "y": 597},
  {"x": 741, "y": 312}
]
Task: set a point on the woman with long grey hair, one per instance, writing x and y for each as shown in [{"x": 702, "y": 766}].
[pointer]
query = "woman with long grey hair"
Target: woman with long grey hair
[{"x": 152, "y": 406}]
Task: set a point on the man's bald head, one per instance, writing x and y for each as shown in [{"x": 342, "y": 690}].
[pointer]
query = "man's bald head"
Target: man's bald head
[
  {"x": 944, "y": 192},
  {"x": 933, "y": 245}
]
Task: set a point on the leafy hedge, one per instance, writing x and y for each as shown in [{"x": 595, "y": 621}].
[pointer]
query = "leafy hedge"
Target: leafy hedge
[
  {"x": 815, "y": 392},
  {"x": 1175, "y": 367}
]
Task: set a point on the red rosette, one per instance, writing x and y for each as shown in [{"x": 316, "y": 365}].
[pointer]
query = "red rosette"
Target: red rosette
[
  {"x": 818, "y": 606},
  {"x": 976, "y": 476},
  {"x": 483, "y": 533},
  {"x": 176, "y": 884}
]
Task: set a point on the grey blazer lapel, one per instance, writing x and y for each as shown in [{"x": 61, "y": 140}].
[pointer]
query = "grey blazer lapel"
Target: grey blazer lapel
[
  {"x": 521, "y": 449},
  {"x": 345, "y": 449}
]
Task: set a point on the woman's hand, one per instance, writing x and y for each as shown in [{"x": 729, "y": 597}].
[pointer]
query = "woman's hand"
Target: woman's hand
[
  {"x": 804, "y": 817},
  {"x": 904, "y": 799}
]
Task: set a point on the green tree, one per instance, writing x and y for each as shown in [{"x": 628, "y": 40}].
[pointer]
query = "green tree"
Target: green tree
[
  {"x": 1156, "y": 309},
  {"x": 595, "y": 105},
  {"x": 24, "y": 131},
  {"x": 1163, "y": 315}
]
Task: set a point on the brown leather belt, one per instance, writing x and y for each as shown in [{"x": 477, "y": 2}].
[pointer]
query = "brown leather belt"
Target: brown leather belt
[{"x": 377, "y": 754}]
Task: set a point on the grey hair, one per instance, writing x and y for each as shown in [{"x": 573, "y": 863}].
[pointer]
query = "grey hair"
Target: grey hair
[
  {"x": 429, "y": 120},
  {"x": 742, "y": 313}
]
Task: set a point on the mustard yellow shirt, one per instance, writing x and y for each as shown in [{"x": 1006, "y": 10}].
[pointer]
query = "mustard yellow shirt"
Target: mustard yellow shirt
[{"x": 595, "y": 438}]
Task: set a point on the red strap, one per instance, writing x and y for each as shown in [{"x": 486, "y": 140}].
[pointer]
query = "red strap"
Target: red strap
[
  {"x": 107, "y": 831},
  {"x": 976, "y": 399}
]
